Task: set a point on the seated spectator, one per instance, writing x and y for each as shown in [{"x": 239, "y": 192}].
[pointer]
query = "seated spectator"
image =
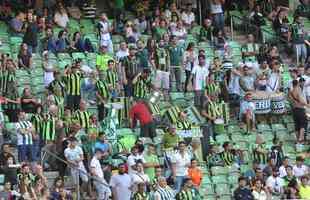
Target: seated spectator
[
  {"x": 173, "y": 24},
  {"x": 275, "y": 184},
  {"x": 247, "y": 109},
  {"x": 59, "y": 191},
  {"x": 188, "y": 17},
  {"x": 303, "y": 9},
  {"x": 62, "y": 44},
  {"x": 80, "y": 44},
  {"x": 24, "y": 57},
  {"x": 172, "y": 11},
  {"x": 300, "y": 169},
  {"x": 282, "y": 168},
  {"x": 163, "y": 190},
  {"x": 31, "y": 34},
  {"x": 187, "y": 191},
  {"x": 141, "y": 192},
  {"x": 304, "y": 188},
  {"x": 49, "y": 41},
  {"x": 206, "y": 31},
  {"x": 61, "y": 17},
  {"x": 220, "y": 43},
  {"x": 259, "y": 192},
  {"x": 292, "y": 191},
  {"x": 8, "y": 192},
  {"x": 17, "y": 24},
  {"x": 242, "y": 192},
  {"x": 289, "y": 176},
  {"x": 138, "y": 176},
  {"x": 227, "y": 155}
]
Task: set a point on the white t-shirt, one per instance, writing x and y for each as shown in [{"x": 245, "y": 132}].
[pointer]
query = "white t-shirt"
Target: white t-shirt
[
  {"x": 188, "y": 18},
  {"x": 24, "y": 126},
  {"x": 132, "y": 160},
  {"x": 122, "y": 184},
  {"x": 300, "y": 171},
  {"x": 282, "y": 171},
  {"x": 61, "y": 19},
  {"x": 182, "y": 163},
  {"x": 94, "y": 163},
  {"x": 120, "y": 54},
  {"x": 200, "y": 74},
  {"x": 273, "y": 82},
  {"x": 104, "y": 27},
  {"x": 259, "y": 195},
  {"x": 276, "y": 183},
  {"x": 73, "y": 154},
  {"x": 234, "y": 87}
]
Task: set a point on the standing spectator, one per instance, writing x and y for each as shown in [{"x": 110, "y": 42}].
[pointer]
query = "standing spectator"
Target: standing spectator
[
  {"x": 160, "y": 30},
  {"x": 28, "y": 102},
  {"x": 24, "y": 138},
  {"x": 73, "y": 78},
  {"x": 188, "y": 191},
  {"x": 121, "y": 184},
  {"x": 61, "y": 16},
  {"x": 138, "y": 176},
  {"x": 246, "y": 81},
  {"x": 151, "y": 161},
  {"x": 289, "y": 176},
  {"x": 75, "y": 156},
  {"x": 275, "y": 184},
  {"x": 102, "y": 60},
  {"x": 173, "y": 11},
  {"x": 176, "y": 61},
  {"x": 82, "y": 116},
  {"x": 102, "y": 94},
  {"x": 275, "y": 78},
  {"x": 130, "y": 69},
  {"x": 141, "y": 192},
  {"x": 122, "y": 52},
  {"x": 242, "y": 192},
  {"x": 300, "y": 169},
  {"x": 189, "y": 58},
  {"x": 133, "y": 158},
  {"x": 16, "y": 24},
  {"x": 104, "y": 29},
  {"x": 247, "y": 108},
  {"x": 142, "y": 55},
  {"x": 103, "y": 191},
  {"x": 170, "y": 139},
  {"x": 24, "y": 57},
  {"x": 180, "y": 162},
  {"x": 142, "y": 84},
  {"x": 188, "y": 17},
  {"x": 298, "y": 38},
  {"x": 31, "y": 34},
  {"x": 140, "y": 111},
  {"x": 162, "y": 64},
  {"x": 217, "y": 12},
  {"x": 250, "y": 51},
  {"x": 194, "y": 173},
  {"x": 200, "y": 74},
  {"x": 180, "y": 33},
  {"x": 281, "y": 26}
]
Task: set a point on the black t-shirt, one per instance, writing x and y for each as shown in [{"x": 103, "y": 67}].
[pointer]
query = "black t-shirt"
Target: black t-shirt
[{"x": 31, "y": 34}]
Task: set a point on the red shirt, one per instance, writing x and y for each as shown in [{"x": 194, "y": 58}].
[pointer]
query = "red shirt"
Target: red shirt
[{"x": 139, "y": 111}]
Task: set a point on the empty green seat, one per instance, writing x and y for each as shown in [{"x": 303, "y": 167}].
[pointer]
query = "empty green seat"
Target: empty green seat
[
  {"x": 62, "y": 56},
  {"x": 222, "y": 189},
  {"x": 78, "y": 55},
  {"x": 218, "y": 170}
]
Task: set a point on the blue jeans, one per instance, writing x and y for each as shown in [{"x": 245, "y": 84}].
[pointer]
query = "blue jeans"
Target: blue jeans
[
  {"x": 178, "y": 182},
  {"x": 218, "y": 21},
  {"x": 35, "y": 150},
  {"x": 24, "y": 152}
]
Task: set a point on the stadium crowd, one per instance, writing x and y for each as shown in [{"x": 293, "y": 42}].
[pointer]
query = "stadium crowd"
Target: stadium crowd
[{"x": 149, "y": 101}]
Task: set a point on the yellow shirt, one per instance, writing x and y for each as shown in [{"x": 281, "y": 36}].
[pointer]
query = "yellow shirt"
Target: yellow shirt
[
  {"x": 304, "y": 192},
  {"x": 102, "y": 61}
]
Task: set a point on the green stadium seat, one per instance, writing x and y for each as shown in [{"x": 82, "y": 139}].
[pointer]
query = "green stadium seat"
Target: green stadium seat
[
  {"x": 218, "y": 170},
  {"x": 63, "y": 56},
  {"x": 222, "y": 189},
  {"x": 264, "y": 128},
  {"x": 77, "y": 55},
  {"x": 222, "y": 138}
]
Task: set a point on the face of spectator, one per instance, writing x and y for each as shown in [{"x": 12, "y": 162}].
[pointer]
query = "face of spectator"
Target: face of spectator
[
  {"x": 139, "y": 167},
  {"x": 259, "y": 173},
  {"x": 135, "y": 151},
  {"x": 304, "y": 181},
  {"x": 162, "y": 24},
  {"x": 121, "y": 169},
  {"x": 258, "y": 184},
  {"x": 152, "y": 150},
  {"x": 250, "y": 38},
  {"x": 123, "y": 46},
  {"x": 194, "y": 163},
  {"x": 7, "y": 186},
  {"x": 103, "y": 17},
  {"x": 289, "y": 171},
  {"x": 24, "y": 47},
  {"x": 162, "y": 183},
  {"x": 6, "y": 148},
  {"x": 27, "y": 92},
  {"x": 242, "y": 183},
  {"x": 182, "y": 147},
  {"x": 132, "y": 52},
  {"x": 140, "y": 44},
  {"x": 174, "y": 41},
  {"x": 26, "y": 169},
  {"x": 10, "y": 161},
  {"x": 202, "y": 61},
  {"x": 158, "y": 172},
  {"x": 111, "y": 65},
  {"x": 166, "y": 37},
  {"x": 172, "y": 131},
  {"x": 22, "y": 116},
  {"x": 180, "y": 24},
  {"x": 59, "y": 183},
  {"x": 82, "y": 105},
  {"x": 275, "y": 173},
  {"x": 173, "y": 7}
]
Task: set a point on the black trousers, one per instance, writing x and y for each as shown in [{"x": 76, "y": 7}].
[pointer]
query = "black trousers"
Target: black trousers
[
  {"x": 73, "y": 102},
  {"x": 101, "y": 112}
]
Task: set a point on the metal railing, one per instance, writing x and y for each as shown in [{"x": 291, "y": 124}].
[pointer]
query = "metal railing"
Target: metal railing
[{"x": 46, "y": 152}]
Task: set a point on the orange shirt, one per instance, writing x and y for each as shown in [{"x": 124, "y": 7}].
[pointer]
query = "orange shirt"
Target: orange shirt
[{"x": 196, "y": 175}]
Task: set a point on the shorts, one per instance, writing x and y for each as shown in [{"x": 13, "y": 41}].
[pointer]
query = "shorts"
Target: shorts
[
  {"x": 80, "y": 172},
  {"x": 300, "y": 119},
  {"x": 162, "y": 79}
]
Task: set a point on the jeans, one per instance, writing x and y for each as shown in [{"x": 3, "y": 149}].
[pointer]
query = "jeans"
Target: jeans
[
  {"x": 103, "y": 192},
  {"x": 35, "y": 150},
  {"x": 301, "y": 52},
  {"x": 128, "y": 89},
  {"x": 178, "y": 182},
  {"x": 218, "y": 21},
  {"x": 187, "y": 76},
  {"x": 24, "y": 152},
  {"x": 176, "y": 72},
  {"x": 199, "y": 98}
]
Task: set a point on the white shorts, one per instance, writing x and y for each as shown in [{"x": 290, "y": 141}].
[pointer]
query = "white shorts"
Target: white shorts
[{"x": 162, "y": 80}]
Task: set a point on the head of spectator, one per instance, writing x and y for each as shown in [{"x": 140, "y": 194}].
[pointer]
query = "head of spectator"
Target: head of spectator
[
  {"x": 53, "y": 110},
  {"x": 202, "y": 60},
  {"x": 289, "y": 171},
  {"x": 182, "y": 147},
  {"x": 83, "y": 105},
  {"x": 304, "y": 181},
  {"x": 187, "y": 184},
  {"x": 275, "y": 172},
  {"x": 99, "y": 153},
  {"x": 227, "y": 146},
  {"x": 190, "y": 46},
  {"x": 251, "y": 38},
  {"x": 25, "y": 169},
  {"x": 158, "y": 172},
  {"x": 258, "y": 185},
  {"x": 162, "y": 182},
  {"x": 259, "y": 173},
  {"x": 122, "y": 168},
  {"x": 163, "y": 24},
  {"x": 299, "y": 161},
  {"x": 132, "y": 51},
  {"x": 72, "y": 142},
  {"x": 172, "y": 129},
  {"x": 242, "y": 181},
  {"x": 135, "y": 150},
  {"x": 139, "y": 167}
]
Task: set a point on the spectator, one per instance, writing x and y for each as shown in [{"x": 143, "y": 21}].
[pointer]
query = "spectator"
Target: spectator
[
  {"x": 141, "y": 192},
  {"x": 298, "y": 39},
  {"x": 303, "y": 9},
  {"x": 300, "y": 169},
  {"x": 24, "y": 57},
  {"x": 102, "y": 60},
  {"x": 250, "y": 52},
  {"x": 189, "y": 57},
  {"x": 133, "y": 158},
  {"x": 188, "y": 191},
  {"x": 217, "y": 14},
  {"x": 227, "y": 154},
  {"x": 188, "y": 17},
  {"x": 289, "y": 176},
  {"x": 31, "y": 34},
  {"x": 122, "y": 52},
  {"x": 103, "y": 144},
  {"x": 282, "y": 168},
  {"x": 180, "y": 162},
  {"x": 160, "y": 30},
  {"x": 28, "y": 102},
  {"x": 58, "y": 191},
  {"x": 281, "y": 26},
  {"x": 173, "y": 11},
  {"x": 74, "y": 155},
  {"x": 103, "y": 191},
  {"x": 80, "y": 44},
  {"x": 62, "y": 43},
  {"x": 121, "y": 184},
  {"x": 206, "y": 31},
  {"x": 17, "y": 24},
  {"x": 163, "y": 191},
  {"x": 24, "y": 138},
  {"x": 258, "y": 191},
  {"x": 220, "y": 44},
  {"x": 50, "y": 42},
  {"x": 89, "y": 10},
  {"x": 242, "y": 192},
  {"x": 138, "y": 177},
  {"x": 61, "y": 16},
  {"x": 304, "y": 188},
  {"x": 275, "y": 184},
  {"x": 104, "y": 29},
  {"x": 142, "y": 54},
  {"x": 151, "y": 161},
  {"x": 175, "y": 53},
  {"x": 195, "y": 174},
  {"x": 171, "y": 138},
  {"x": 292, "y": 191}
]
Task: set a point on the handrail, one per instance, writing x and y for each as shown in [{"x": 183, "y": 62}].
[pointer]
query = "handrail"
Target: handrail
[
  {"x": 247, "y": 22},
  {"x": 44, "y": 149}
]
